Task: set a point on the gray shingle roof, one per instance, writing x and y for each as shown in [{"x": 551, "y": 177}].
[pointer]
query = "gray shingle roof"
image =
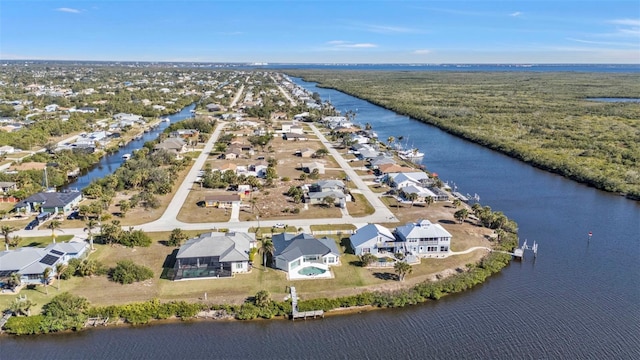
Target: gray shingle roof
[
  {"x": 290, "y": 246},
  {"x": 227, "y": 246}
]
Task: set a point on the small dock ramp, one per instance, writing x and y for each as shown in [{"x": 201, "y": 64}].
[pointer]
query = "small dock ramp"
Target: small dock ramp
[
  {"x": 295, "y": 314},
  {"x": 519, "y": 252}
]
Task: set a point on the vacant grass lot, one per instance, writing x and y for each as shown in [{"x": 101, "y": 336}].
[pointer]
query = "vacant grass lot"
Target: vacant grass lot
[{"x": 541, "y": 118}]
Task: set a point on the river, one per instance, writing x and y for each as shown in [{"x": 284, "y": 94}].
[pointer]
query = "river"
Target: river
[
  {"x": 578, "y": 300},
  {"x": 110, "y": 162}
]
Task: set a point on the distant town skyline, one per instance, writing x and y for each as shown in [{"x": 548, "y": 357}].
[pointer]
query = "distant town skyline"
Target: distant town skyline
[{"x": 348, "y": 31}]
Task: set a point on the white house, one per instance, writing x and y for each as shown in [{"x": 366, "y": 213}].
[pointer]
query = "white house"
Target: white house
[
  {"x": 372, "y": 239},
  {"x": 423, "y": 238}
]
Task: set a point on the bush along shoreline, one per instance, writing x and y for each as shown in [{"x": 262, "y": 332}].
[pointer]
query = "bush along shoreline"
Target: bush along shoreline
[{"x": 68, "y": 312}]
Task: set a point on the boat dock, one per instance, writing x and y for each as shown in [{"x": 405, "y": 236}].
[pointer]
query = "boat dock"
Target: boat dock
[
  {"x": 96, "y": 321},
  {"x": 519, "y": 252},
  {"x": 295, "y": 314}
]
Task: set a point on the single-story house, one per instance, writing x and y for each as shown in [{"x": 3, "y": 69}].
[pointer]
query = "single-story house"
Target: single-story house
[
  {"x": 401, "y": 180},
  {"x": 318, "y": 197},
  {"x": 214, "y": 255},
  {"x": 380, "y": 160},
  {"x": 294, "y": 136},
  {"x": 50, "y": 202},
  {"x": 214, "y": 107},
  {"x": 4, "y": 150},
  {"x": 294, "y": 252},
  {"x": 232, "y": 154},
  {"x": 309, "y": 167},
  {"x": 372, "y": 239},
  {"x": 305, "y": 152},
  {"x": 228, "y": 166},
  {"x": 327, "y": 185},
  {"x": 6, "y": 186},
  {"x": 222, "y": 201},
  {"x": 174, "y": 145},
  {"x": 394, "y": 168},
  {"x": 30, "y": 262}
]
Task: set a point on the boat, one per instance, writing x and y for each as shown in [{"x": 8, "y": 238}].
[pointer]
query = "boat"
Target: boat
[
  {"x": 410, "y": 154},
  {"x": 166, "y": 119},
  {"x": 126, "y": 157}
]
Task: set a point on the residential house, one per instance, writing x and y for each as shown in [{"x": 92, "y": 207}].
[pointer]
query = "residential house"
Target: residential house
[
  {"x": 401, "y": 180},
  {"x": 130, "y": 118},
  {"x": 50, "y": 202},
  {"x": 278, "y": 115},
  {"x": 232, "y": 154},
  {"x": 6, "y": 186},
  {"x": 305, "y": 152},
  {"x": 290, "y": 136},
  {"x": 214, "y": 255},
  {"x": 30, "y": 262},
  {"x": 51, "y": 108},
  {"x": 173, "y": 145},
  {"x": 259, "y": 168},
  {"x": 222, "y": 201},
  {"x": 393, "y": 168},
  {"x": 294, "y": 252},
  {"x": 228, "y": 167},
  {"x": 318, "y": 197},
  {"x": 381, "y": 160},
  {"x": 372, "y": 239},
  {"x": 286, "y": 127},
  {"x": 4, "y": 150},
  {"x": 423, "y": 238},
  {"x": 185, "y": 133},
  {"x": 214, "y": 107},
  {"x": 327, "y": 185},
  {"x": 296, "y": 129},
  {"x": 309, "y": 167}
]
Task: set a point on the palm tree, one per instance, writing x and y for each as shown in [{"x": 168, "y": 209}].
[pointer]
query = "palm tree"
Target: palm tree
[
  {"x": 60, "y": 268},
  {"x": 90, "y": 225},
  {"x": 54, "y": 225},
  {"x": 456, "y": 203},
  {"x": 402, "y": 269},
  {"x": 428, "y": 200},
  {"x": 6, "y": 231},
  {"x": 411, "y": 197},
  {"x": 267, "y": 249},
  {"x": 177, "y": 237},
  {"x": 45, "y": 278},
  {"x": 461, "y": 215}
]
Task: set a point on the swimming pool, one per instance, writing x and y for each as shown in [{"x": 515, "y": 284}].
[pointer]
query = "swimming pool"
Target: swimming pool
[{"x": 311, "y": 271}]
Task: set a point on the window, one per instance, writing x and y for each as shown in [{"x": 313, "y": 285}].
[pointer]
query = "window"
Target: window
[
  {"x": 239, "y": 266},
  {"x": 432, "y": 248},
  {"x": 366, "y": 250},
  {"x": 444, "y": 248}
]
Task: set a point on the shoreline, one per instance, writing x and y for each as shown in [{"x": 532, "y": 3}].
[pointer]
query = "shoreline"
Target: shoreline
[{"x": 510, "y": 152}]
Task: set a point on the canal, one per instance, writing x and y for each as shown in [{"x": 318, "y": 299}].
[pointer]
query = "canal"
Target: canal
[{"x": 579, "y": 299}]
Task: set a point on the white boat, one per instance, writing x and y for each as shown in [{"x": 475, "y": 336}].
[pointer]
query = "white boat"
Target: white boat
[
  {"x": 126, "y": 157},
  {"x": 166, "y": 119},
  {"x": 410, "y": 154}
]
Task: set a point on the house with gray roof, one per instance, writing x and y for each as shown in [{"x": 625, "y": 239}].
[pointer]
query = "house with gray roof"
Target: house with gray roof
[
  {"x": 214, "y": 255},
  {"x": 372, "y": 239},
  {"x": 30, "y": 262},
  {"x": 50, "y": 202},
  {"x": 294, "y": 252}
]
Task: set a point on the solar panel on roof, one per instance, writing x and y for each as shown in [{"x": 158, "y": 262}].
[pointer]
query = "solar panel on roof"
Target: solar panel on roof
[
  {"x": 49, "y": 259},
  {"x": 57, "y": 252}
]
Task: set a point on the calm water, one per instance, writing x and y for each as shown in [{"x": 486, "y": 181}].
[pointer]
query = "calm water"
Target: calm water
[
  {"x": 578, "y": 300},
  {"x": 109, "y": 163}
]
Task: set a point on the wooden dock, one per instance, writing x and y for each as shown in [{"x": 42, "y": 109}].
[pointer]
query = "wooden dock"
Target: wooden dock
[
  {"x": 295, "y": 314},
  {"x": 96, "y": 322}
]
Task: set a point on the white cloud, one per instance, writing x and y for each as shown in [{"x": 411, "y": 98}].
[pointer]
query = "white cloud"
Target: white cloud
[
  {"x": 422, "y": 52},
  {"x": 609, "y": 43},
  {"x": 341, "y": 44},
  {"x": 515, "y": 14},
  {"x": 68, "y": 10},
  {"x": 628, "y": 22}
]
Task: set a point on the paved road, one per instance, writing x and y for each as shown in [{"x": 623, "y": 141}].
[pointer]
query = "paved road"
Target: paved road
[{"x": 168, "y": 221}]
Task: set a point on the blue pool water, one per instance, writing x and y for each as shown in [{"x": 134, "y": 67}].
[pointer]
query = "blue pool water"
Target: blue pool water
[{"x": 311, "y": 270}]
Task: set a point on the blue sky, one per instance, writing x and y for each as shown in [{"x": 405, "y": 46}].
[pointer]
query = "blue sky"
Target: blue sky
[{"x": 327, "y": 31}]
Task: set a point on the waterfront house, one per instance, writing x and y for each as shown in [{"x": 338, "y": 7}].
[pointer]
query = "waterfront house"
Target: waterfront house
[
  {"x": 173, "y": 145},
  {"x": 423, "y": 238},
  {"x": 50, "y": 202},
  {"x": 401, "y": 180},
  {"x": 30, "y": 262},
  {"x": 372, "y": 239},
  {"x": 214, "y": 255},
  {"x": 294, "y": 252}
]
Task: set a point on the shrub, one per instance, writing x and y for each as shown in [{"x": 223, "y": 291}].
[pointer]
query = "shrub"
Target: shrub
[{"x": 127, "y": 272}]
